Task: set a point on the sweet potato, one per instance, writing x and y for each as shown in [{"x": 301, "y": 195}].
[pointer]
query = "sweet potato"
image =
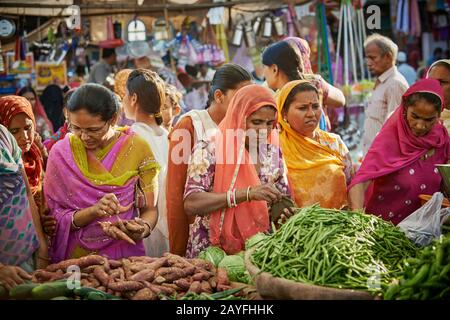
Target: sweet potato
[
  {"x": 121, "y": 225},
  {"x": 121, "y": 235},
  {"x": 213, "y": 282},
  {"x": 86, "y": 283},
  {"x": 125, "y": 285},
  {"x": 114, "y": 232},
  {"x": 189, "y": 271},
  {"x": 114, "y": 264},
  {"x": 101, "y": 275},
  {"x": 222, "y": 277},
  {"x": 206, "y": 287},
  {"x": 81, "y": 262},
  {"x": 146, "y": 274},
  {"x": 183, "y": 284},
  {"x": 196, "y": 287},
  {"x": 145, "y": 294},
  {"x": 155, "y": 288},
  {"x": 202, "y": 264},
  {"x": 168, "y": 270},
  {"x": 160, "y": 262},
  {"x": 126, "y": 268},
  {"x": 143, "y": 259},
  {"x": 134, "y": 227},
  {"x": 90, "y": 269},
  {"x": 159, "y": 280},
  {"x": 138, "y": 266},
  {"x": 166, "y": 290},
  {"x": 95, "y": 283},
  {"x": 201, "y": 275},
  {"x": 114, "y": 274},
  {"x": 42, "y": 275},
  {"x": 172, "y": 286},
  {"x": 106, "y": 266}
]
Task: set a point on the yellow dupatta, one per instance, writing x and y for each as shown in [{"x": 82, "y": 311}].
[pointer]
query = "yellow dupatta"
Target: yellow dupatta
[
  {"x": 315, "y": 172},
  {"x": 133, "y": 157}
]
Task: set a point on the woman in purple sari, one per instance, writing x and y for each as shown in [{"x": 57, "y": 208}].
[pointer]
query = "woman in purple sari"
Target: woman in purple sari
[{"x": 93, "y": 176}]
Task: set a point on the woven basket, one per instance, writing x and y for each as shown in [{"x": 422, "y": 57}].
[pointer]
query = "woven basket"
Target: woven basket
[{"x": 270, "y": 287}]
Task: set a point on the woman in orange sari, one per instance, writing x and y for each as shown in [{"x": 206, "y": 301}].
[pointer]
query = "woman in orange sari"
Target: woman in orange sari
[
  {"x": 16, "y": 113},
  {"x": 318, "y": 162},
  {"x": 234, "y": 178}
]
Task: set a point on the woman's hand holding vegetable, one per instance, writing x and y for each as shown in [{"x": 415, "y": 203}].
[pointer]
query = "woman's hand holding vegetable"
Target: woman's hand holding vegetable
[
  {"x": 287, "y": 213},
  {"x": 130, "y": 231},
  {"x": 265, "y": 192},
  {"x": 108, "y": 205}
]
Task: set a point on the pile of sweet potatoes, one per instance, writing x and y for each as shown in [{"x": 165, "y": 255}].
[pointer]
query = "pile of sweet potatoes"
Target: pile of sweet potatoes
[{"x": 141, "y": 278}]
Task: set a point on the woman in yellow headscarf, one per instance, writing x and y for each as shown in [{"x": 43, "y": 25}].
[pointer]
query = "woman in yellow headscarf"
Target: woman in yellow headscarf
[{"x": 318, "y": 162}]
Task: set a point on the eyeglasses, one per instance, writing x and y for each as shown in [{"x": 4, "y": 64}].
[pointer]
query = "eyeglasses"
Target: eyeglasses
[{"x": 91, "y": 132}]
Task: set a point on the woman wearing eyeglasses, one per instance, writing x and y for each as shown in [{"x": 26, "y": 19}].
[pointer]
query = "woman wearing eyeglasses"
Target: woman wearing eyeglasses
[{"x": 101, "y": 182}]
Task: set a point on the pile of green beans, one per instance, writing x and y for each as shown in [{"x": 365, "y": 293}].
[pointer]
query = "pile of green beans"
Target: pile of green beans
[
  {"x": 427, "y": 276},
  {"x": 335, "y": 248}
]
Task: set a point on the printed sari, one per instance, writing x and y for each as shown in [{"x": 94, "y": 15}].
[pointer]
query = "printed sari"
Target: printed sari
[{"x": 18, "y": 239}]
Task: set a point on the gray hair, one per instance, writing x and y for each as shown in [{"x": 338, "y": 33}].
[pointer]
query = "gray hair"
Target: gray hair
[{"x": 386, "y": 45}]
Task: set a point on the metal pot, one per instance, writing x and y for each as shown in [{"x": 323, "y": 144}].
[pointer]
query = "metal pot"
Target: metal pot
[
  {"x": 267, "y": 29},
  {"x": 279, "y": 26},
  {"x": 238, "y": 35},
  {"x": 250, "y": 36},
  {"x": 257, "y": 25}
]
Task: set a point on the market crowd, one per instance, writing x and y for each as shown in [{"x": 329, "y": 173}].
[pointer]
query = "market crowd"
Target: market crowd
[{"x": 182, "y": 183}]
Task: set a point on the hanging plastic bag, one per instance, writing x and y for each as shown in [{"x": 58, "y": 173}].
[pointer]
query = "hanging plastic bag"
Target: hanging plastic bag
[{"x": 424, "y": 225}]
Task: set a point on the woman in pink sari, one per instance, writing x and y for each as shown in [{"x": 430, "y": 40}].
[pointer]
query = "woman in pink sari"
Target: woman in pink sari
[
  {"x": 400, "y": 164},
  {"x": 92, "y": 176}
]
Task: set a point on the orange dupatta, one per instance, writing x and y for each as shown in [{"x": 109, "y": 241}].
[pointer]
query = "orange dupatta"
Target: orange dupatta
[
  {"x": 33, "y": 163},
  {"x": 231, "y": 227},
  {"x": 315, "y": 172}
]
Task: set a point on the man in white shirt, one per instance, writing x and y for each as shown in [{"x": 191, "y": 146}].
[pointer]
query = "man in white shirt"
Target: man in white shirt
[
  {"x": 101, "y": 70},
  {"x": 405, "y": 69},
  {"x": 381, "y": 54}
]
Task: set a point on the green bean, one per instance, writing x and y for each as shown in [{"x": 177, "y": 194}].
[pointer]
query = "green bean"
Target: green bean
[{"x": 320, "y": 246}]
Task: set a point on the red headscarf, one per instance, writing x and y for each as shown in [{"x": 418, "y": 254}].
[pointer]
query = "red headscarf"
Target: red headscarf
[
  {"x": 39, "y": 108},
  {"x": 230, "y": 228},
  {"x": 11, "y": 106},
  {"x": 396, "y": 147}
]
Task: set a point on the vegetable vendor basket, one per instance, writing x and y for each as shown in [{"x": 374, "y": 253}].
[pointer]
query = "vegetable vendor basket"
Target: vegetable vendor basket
[{"x": 270, "y": 287}]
